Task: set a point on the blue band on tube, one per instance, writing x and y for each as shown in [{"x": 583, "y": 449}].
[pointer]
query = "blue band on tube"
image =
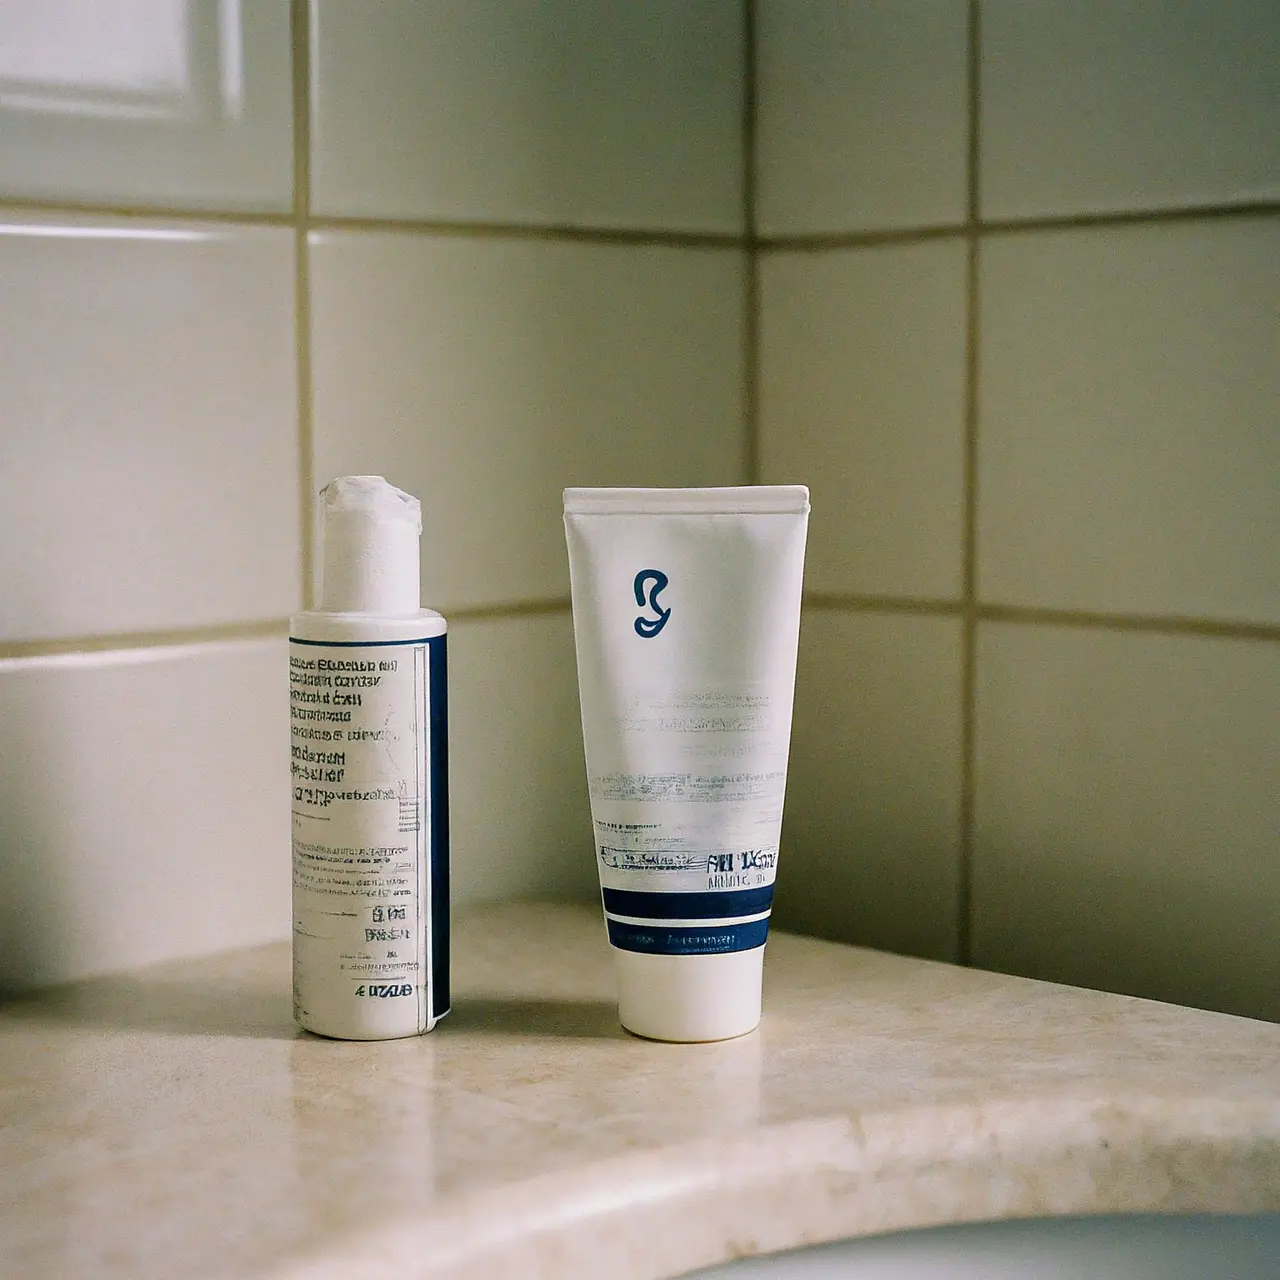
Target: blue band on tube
[
  {"x": 703, "y": 905},
  {"x": 681, "y": 940}
]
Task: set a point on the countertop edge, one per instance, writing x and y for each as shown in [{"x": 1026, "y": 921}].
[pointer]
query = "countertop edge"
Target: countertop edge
[{"x": 836, "y": 1177}]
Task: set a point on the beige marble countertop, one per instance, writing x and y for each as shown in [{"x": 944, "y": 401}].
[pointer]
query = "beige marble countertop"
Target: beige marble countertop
[{"x": 172, "y": 1122}]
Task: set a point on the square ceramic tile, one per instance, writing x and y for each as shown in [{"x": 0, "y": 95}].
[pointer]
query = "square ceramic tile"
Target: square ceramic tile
[
  {"x": 586, "y": 112},
  {"x": 1127, "y": 812},
  {"x": 862, "y": 398},
  {"x": 1095, "y": 107},
  {"x": 148, "y": 461},
  {"x": 520, "y": 816},
  {"x": 1128, "y": 453},
  {"x": 145, "y": 801},
  {"x": 862, "y": 119},
  {"x": 870, "y": 840},
  {"x": 485, "y": 375},
  {"x": 177, "y": 103}
]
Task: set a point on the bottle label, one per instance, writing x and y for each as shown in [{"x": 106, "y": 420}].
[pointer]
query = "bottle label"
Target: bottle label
[{"x": 370, "y": 836}]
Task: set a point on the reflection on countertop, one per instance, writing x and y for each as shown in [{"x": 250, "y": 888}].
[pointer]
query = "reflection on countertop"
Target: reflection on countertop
[{"x": 172, "y": 1121}]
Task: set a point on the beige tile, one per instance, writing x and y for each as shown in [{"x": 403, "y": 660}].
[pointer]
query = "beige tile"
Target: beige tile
[
  {"x": 520, "y": 817},
  {"x": 486, "y": 375},
  {"x": 148, "y": 460},
  {"x": 862, "y": 116},
  {"x": 164, "y": 103},
  {"x": 870, "y": 841},
  {"x": 585, "y": 112},
  {"x": 1099, "y": 106},
  {"x": 862, "y": 398},
  {"x": 1129, "y": 456},
  {"x": 1127, "y": 812},
  {"x": 145, "y": 801}
]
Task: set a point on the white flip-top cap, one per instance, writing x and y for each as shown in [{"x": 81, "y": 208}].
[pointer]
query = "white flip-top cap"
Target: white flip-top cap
[
  {"x": 370, "y": 533},
  {"x": 690, "y": 998}
]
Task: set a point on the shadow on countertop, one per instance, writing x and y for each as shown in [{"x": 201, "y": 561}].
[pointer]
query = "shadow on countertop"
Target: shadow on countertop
[
  {"x": 213, "y": 1005},
  {"x": 222, "y": 1006},
  {"x": 531, "y": 1016}
]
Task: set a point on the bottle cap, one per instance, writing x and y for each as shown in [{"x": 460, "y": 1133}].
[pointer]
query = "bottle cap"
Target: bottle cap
[
  {"x": 369, "y": 537},
  {"x": 689, "y": 998}
]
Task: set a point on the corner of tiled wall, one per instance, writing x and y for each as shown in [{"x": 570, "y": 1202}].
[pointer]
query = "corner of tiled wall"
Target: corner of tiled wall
[
  {"x": 861, "y": 175},
  {"x": 484, "y": 250},
  {"x": 1018, "y": 330},
  {"x": 998, "y": 283}
]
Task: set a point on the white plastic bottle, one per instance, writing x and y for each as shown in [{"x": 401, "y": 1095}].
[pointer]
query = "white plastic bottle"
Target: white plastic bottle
[{"x": 370, "y": 778}]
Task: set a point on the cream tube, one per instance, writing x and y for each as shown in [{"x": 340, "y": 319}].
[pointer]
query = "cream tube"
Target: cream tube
[{"x": 686, "y": 616}]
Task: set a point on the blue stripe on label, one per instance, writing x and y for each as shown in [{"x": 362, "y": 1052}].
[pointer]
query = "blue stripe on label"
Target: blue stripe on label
[
  {"x": 438, "y": 746},
  {"x": 711, "y": 940},
  {"x": 705, "y": 905}
]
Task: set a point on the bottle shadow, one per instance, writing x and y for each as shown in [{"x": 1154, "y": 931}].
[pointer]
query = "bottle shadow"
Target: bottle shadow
[{"x": 204, "y": 1008}]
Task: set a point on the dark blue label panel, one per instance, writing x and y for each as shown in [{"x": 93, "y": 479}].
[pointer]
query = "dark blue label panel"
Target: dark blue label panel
[
  {"x": 438, "y": 746},
  {"x": 704, "y": 940},
  {"x": 710, "y": 905}
]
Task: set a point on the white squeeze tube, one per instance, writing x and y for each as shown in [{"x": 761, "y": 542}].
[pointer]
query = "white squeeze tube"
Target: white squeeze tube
[
  {"x": 686, "y": 616},
  {"x": 370, "y": 778}
]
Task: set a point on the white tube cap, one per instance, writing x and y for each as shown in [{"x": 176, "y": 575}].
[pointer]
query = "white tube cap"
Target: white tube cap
[{"x": 690, "y": 998}]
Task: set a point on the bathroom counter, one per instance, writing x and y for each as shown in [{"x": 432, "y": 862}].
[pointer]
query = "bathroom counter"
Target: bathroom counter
[{"x": 172, "y": 1122}]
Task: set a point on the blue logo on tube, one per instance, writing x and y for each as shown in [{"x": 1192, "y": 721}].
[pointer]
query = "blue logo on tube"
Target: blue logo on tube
[{"x": 649, "y": 584}]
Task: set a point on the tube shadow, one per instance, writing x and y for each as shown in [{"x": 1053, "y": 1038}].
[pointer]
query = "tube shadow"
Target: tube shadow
[{"x": 513, "y": 1016}]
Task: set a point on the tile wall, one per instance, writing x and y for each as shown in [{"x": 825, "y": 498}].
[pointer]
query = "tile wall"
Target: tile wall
[
  {"x": 1019, "y": 268},
  {"x": 488, "y": 249},
  {"x": 997, "y": 280}
]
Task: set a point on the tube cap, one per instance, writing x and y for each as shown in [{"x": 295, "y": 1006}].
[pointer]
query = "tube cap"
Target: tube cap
[
  {"x": 689, "y": 998},
  {"x": 370, "y": 536}
]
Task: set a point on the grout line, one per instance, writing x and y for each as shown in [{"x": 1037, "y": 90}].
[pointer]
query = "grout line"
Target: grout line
[
  {"x": 535, "y": 231},
  {"x": 835, "y": 602},
  {"x": 110, "y": 641},
  {"x": 973, "y": 152},
  {"x": 300, "y": 38},
  {"x": 969, "y": 545},
  {"x": 1161, "y": 624},
  {"x": 1130, "y": 217},
  {"x": 751, "y": 299},
  {"x": 1171, "y": 625},
  {"x": 751, "y": 418},
  {"x": 267, "y": 628},
  {"x": 818, "y": 242},
  {"x": 821, "y": 241},
  {"x": 21, "y": 207},
  {"x": 518, "y": 609},
  {"x": 1147, "y": 624},
  {"x": 806, "y": 242},
  {"x": 459, "y": 228}
]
